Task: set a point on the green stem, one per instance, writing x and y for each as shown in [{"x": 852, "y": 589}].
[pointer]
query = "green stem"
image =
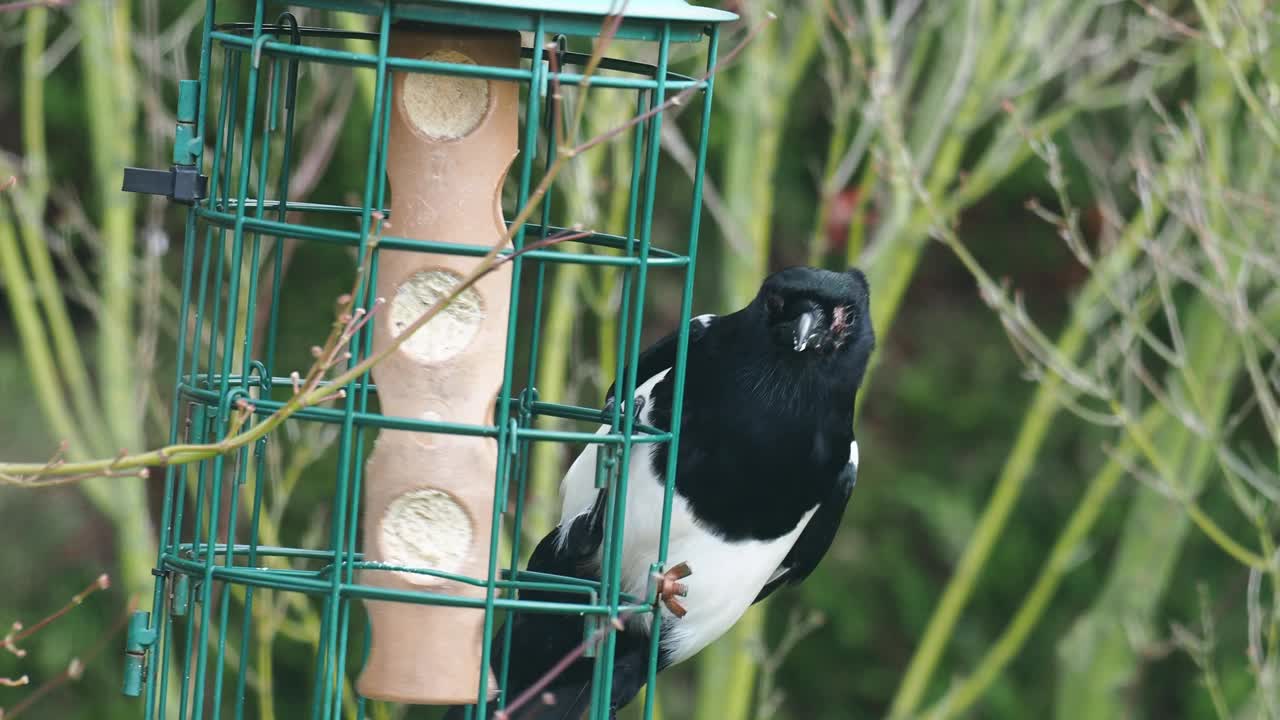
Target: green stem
[
  {"x": 355, "y": 22},
  {"x": 727, "y": 671},
  {"x": 967, "y": 691},
  {"x": 31, "y": 333},
  {"x": 553, "y": 374},
  {"x": 1245, "y": 90},
  {"x": 109, "y": 109},
  {"x": 1099, "y": 655},
  {"x": 1206, "y": 524},
  {"x": 1013, "y": 476},
  {"x": 30, "y": 206},
  {"x": 837, "y": 144},
  {"x": 764, "y": 87}
]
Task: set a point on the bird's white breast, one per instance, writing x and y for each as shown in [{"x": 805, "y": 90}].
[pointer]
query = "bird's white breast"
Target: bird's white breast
[{"x": 726, "y": 577}]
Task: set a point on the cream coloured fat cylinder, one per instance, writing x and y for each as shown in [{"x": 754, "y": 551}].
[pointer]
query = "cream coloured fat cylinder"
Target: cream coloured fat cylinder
[{"x": 428, "y": 498}]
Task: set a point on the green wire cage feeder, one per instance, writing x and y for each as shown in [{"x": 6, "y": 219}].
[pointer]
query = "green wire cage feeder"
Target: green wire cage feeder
[{"x": 435, "y": 439}]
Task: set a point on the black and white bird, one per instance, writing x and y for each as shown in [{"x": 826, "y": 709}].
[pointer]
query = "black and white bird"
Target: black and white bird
[{"x": 766, "y": 463}]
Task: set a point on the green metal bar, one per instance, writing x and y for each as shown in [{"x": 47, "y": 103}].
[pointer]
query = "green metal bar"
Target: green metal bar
[
  {"x": 373, "y": 166},
  {"x": 224, "y": 607},
  {"x": 259, "y": 448},
  {"x": 264, "y": 166},
  {"x": 223, "y": 418},
  {"x": 171, "y": 477},
  {"x": 242, "y": 456},
  {"x": 278, "y": 580},
  {"x": 282, "y": 207},
  {"x": 158, "y": 614},
  {"x": 380, "y": 115},
  {"x": 654, "y": 152},
  {"x": 202, "y": 429},
  {"x": 611, "y": 537},
  {"x": 256, "y": 379},
  {"x": 640, "y": 433},
  {"x": 682, "y": 348},
  {"x": 665, "y": 258},
  {"x": 601, "y": 686},
  {"x": 228, "y": 153},
  {"x": 159, "y": 607},
  {"x": 246, "y": 635},
  {"x": 287, "y": 578},
  {"x": 505, "y": 434},
  {"x": 568, "y": 58},
  {"x": 347, "y": 58},
  {"x": 302, "y": 31},
  {"x": 533, "y": 579},
  {"x": 635, "y": 27},
  {"x": 225, "y": 112},
  {"x": 210, "y": 232},
  {"x": 297, "y": 206},
  {"x": 530, "y": 394},
  {"x": 193, "y": 550}
]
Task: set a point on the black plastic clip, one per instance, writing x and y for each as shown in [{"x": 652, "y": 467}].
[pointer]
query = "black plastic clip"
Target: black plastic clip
[{"x": 180, "y": 183}]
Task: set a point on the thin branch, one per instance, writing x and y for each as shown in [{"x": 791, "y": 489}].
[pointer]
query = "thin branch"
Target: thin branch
[
  {"x": 75, "y": 668},
  {"x": 18, "y": 633},
  {"x": 730, "y": 229},
  {"x": 678, "y": 98},
  {"x": 535, "y": 690}
]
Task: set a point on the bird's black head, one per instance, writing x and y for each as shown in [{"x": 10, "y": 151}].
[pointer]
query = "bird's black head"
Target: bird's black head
[{"x": 819, "y": 315}]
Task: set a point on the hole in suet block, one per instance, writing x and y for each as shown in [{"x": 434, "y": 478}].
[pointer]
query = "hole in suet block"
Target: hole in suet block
[
  {"x": 450, "y": 331},
  {"x": 426, "y": 528},
  {"x": 445, "y": 107}
]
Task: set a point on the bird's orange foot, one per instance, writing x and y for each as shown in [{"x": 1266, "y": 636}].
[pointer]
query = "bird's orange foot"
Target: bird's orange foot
[{"x": 670, "y": 587}]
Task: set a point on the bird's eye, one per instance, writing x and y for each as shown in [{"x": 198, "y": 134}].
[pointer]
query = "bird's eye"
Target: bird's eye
[
  {"x": 843, "y": 317},
  {"x": 774, "y": 302}
]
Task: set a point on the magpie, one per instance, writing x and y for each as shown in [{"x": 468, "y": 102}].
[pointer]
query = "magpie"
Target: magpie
[{"x": 765, "y": 465}]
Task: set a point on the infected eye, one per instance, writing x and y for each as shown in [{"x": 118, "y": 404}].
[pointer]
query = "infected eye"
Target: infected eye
[{"x": 842, "y": 317}]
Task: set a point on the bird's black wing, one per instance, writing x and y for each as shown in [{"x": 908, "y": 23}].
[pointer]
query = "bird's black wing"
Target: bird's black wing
[
  {"x": 660, "y": 355},
  {"x": 815, "y": 540}
]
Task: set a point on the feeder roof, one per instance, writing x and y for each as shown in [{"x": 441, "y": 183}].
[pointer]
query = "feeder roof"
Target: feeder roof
[
  {"x": 643, "y": 19},
  {"x": 676, "y": 10}
]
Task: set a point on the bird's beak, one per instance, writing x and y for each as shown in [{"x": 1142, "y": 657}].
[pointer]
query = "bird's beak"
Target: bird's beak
[{"x": 805, "y": 326}]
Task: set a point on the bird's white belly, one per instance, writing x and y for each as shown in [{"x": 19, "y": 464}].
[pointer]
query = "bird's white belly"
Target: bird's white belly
[{"x": 726, "y": 576}]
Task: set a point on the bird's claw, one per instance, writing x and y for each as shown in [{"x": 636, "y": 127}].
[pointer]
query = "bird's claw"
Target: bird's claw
[
  {"x": 670, "y": 587},
  {"x": 637, "y": 407}
]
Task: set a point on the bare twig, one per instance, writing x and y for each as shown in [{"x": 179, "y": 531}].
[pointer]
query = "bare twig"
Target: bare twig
[
  {"x": 535, "y": 690},
  {"x": 18, "y": 633},
  {"x": 799, "y": 626},
  {"x": 730, "y": 229},
  {"x": 75, "y": 668},
  {"x": 674, "y": 100},
  {"x": 1173, "y": 23}
]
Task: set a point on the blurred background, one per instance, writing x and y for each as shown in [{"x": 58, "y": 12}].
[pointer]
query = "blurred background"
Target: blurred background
[{"x": 1070, "y": 436}]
